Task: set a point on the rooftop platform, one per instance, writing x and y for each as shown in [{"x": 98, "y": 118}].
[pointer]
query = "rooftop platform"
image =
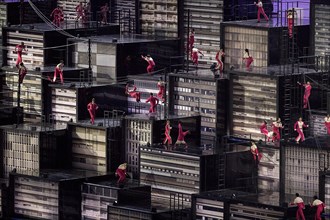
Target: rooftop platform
[
  {"x": 157, "y": 116},
  {"x": 35, "y": 127}
]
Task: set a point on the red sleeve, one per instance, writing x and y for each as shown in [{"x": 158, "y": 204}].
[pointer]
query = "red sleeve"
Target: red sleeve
[
  {"x": 148, "y": 100},
  {"x": 295, "y": 125}
]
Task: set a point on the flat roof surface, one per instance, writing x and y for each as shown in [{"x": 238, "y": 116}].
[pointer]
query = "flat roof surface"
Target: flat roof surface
[
  {"x": 112, "y": 183},
  {"x": 98, "y": 122},
  {"x": 157, "y": 116},
  {"x": 191, "y": 150},
  {"x": 43, "y": 69},
  {"x": 39, "y": 127}
]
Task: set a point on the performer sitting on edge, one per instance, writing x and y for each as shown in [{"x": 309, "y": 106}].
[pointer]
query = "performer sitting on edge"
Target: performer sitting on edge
[
  {"x": 191, "y": 39},
  {"x": 255, "y": 153},
  {"x": 104, "y": 13},
  {"x": 121, "y": 173},
  {"x": 194, "y": 55},
  {"x": 261, "y": 11},
  {"x": 220, "y": 55},
  {"x": 319, "y": 208},
  {"x": 151, "y": 63},
  {"x": 161, "y": 87},
  {"x": 133, "y": 93},
  {"x": 80, "y": 11},
  {"x": 58, "y": 71},
  {"x": 19, "y": 50},
  {"x": 264, "y": 130},
  {"x": 57, "y": 15},
  {"x": 92, "y": 107},
  {"x": 22, "y": 71},
  {"x": 299, "y": 202},
  {"x": 298, "y": 126},
  {"x": 248, "y": 59},
  {"x": 153, "y": 103},
  {"x": 168, "y": 138},
  {"x": 181, "y": 136},
  {"x": 327, "y": 123},
  {"x": 277, "y": 125},
  {"x": 307, "y": 93}
]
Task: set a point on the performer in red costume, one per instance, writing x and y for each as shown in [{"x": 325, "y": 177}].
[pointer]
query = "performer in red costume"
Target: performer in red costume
[
  {"x": 300, "y": 206},
  {"x": 248, "y": 59},
  {"x": 307, "y": 93},
  {"x": 59, "y": 71},
  {"x": 181, "y": 136},
  {"x": 168, "y": 138},
  {"x": 298, "y": 126},
  {"x": 191, "y": 39},
  {"x": 133, "y": 93},
  {"x": 264, "y": 130},
  {"x": 151, "y": 63},
  {"x": 290, "y": 23},
  {"x": 194, "y": 55},
  {"x": 220, "y": 55},
  {"x": 121, "y": 173},
  {"x": 153, "y": 103},
  {"x": 22, "y": 71},
  {"x": 19, "y": 50},
  {"x": 327, "y": 123},
  {"x": 92, "y": 107},
  {"x": 277, "y": 125},
  {"x": 319, "y": 208},
  {"x": 255, "y": 152},
  {"x": 104, "y": 13},
  {"x": 261, "y": 10},
  {"x": 80, "y": 11},
  {"x": 161, "y": 87},
  {"x": 57, "y": 15}
]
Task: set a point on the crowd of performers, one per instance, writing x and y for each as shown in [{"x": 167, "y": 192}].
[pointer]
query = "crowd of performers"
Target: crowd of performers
[
  {"x": 181, "y": 135},
  {"x": 299, "y": 203}
]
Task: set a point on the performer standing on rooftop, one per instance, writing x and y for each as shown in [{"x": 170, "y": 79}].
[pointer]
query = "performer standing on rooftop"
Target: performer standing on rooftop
[
  {"x": 121, "y": 173},
  {"x": 219, "y": 56},
  {"x": 80, "y": 11},
  {"x": 58, "y": 16},
  {"x": 264, "y": 130},
  {"x": 300, "y": 206},
  {"x": 277, "y": 125},
  {"x": 59, "y": 71},
  {"x": 168, "y": 138},
  {"x": 319, "y": 208},
  {"x": 19, "y": 50},
  {"x": 298, "y": 126},
  {"x": 151, "y": 63},
  {"x": 194, "y": 55},
  {"x": 261, "y": 10},
  {"x": 153, "y": 103},
  {"x": 104, "y": 13},
  {"x": 92, "y": 107},
  {"x": 248, "y": 59}
]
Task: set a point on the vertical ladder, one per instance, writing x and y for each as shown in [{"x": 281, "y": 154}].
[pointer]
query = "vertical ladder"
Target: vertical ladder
[{"x": 221, "y": 171}]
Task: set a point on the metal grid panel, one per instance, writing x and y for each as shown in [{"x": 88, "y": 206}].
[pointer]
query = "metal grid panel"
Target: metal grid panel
[
  {"x": 64, "y": 105},
  {"x": 209, "y": 209},
  {"x": 118, "y": 213},
  {"x": 322, "y": 28}
]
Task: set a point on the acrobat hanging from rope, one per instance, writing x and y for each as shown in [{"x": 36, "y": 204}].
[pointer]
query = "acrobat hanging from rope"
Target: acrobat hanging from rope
[{"x": 307, "y": 93}]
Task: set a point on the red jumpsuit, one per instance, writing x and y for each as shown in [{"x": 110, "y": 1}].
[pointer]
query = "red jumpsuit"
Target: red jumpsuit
[
  {"x": 276, "y": 131},
  {"x": 92, "y": 107},
  {"x": 300, "y": 206},
  {"x": 58, "y": 71},
  {"x": 58, "y": 16},
  {"x": 255, "y": 152},
  {"x": 121, "y": 172},
  {"x": 327, "y": 124},
  {"x": 22, "y": 72},
  {"x": 298, "y": 126},
  {"x": 133, "y": 93},
  {"x": 19, "y": 48},
  {"x": 150, "y": 67},
  {"x": 261, "y": 11},
  {"x": 104, "y": 13},
  {"x": 264, "y": 130},
  {"x": 80, "y": 11},
  {"x": 181, "y": 135},
  {"x": 194, "y": 56},
  {"x": 290, "y": 25},
  {"x": 319, "y": 208},
  {"x": 161, "y": 92},
  {"x": 191, "y": 41},
  {"x": 307, "y": 93},
  {"x": 153, "y": 103},
  {"x": 168, "y": 138},
  {"x": 248, "y": 60},
  {"x": 220, "y": 63}
]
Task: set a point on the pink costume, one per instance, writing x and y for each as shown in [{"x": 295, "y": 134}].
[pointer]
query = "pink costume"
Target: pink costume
[
  {"x": 58, "y": 16},
  {"x": 150, "y": 67},
  {"x": 153, "y": 103},
  {"x": 191, "y": 41},
  {"x": 290, "y": 24},
  {"x": 121, "y": 172},
  {"x": 261, "y": 11},
  {"x": 255, "y": 152},
  {"x": 22, "y": 72},
  {"x": 307, "y": 93},
  {"x": 194, "y": 56},
  {"x": 58, "y": 71},
  {"x": 104, "y": 13},
  {"x": 218, "y": 57},
  {"x": 92, "y": 107},
  {"x": 19, "y": 49},
  {"x": 300, "y": 206},
  {"x": 133, "y": 93},
  {"x": 327, "y": 124},
  {"x": 248, "y": 60},
  {"x": 80, "y": 11},
  {"x": 276, "y": 130},
  {"x": 168, "y": 138},
  {"x": 264, "y": 130},
  {"x": 298, "y": 126},
  {"x": 181, "y": 135},
  {"x": 161, "y": 92},
  {"x": 319, "y": 208}
]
